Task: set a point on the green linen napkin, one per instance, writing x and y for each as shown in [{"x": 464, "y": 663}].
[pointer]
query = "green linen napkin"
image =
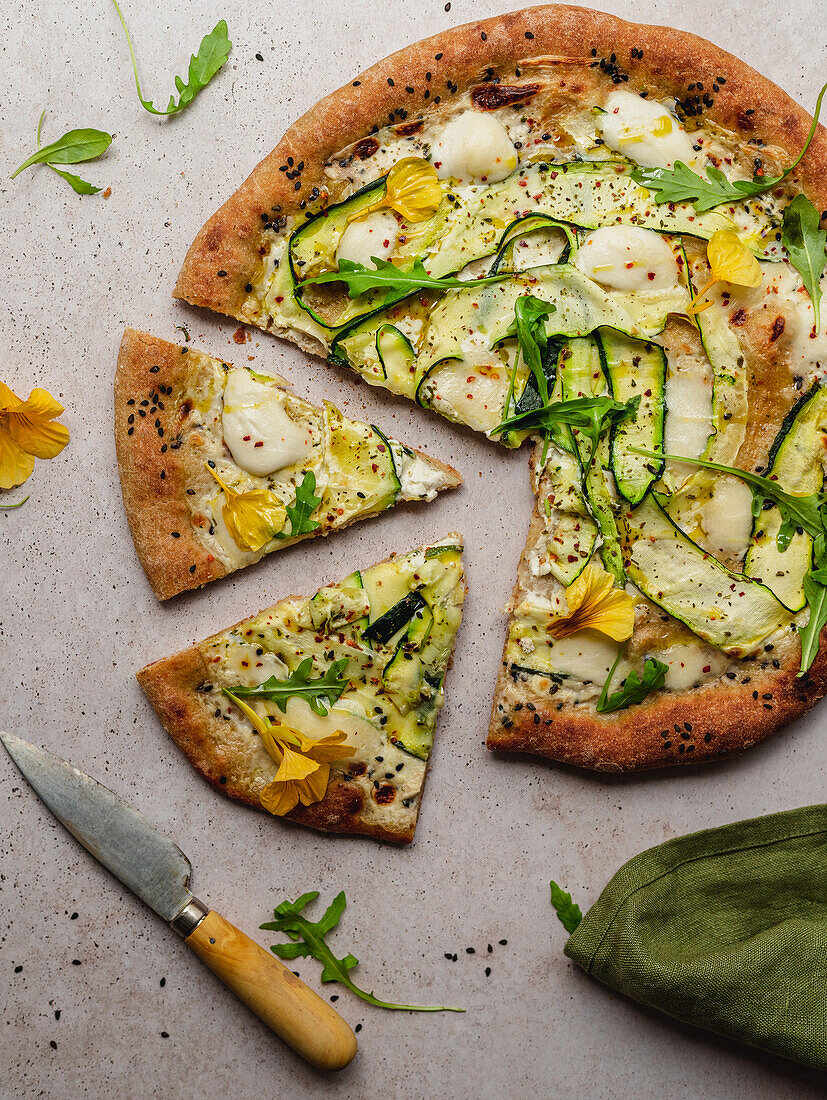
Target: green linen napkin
[{"x": 725, "y": 929}]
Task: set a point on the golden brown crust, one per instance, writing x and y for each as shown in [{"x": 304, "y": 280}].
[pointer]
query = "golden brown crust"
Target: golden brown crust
[
  {"x": 225, "y": 255},
  {"x": 720, "y": 719},
  {"x": 231, "y": 762},
  {"x": 159, "y": 461}
]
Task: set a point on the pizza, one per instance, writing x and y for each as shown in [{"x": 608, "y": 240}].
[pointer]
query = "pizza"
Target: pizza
[
  {"x": 604, "y": 238},
  {"x": 221, "y": 465},
  {"x": 322, "y": 710}
]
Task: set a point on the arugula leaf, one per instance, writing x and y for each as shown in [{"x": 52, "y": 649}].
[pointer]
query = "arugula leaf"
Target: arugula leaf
[
  {"x": 804, "y": 241},
  {"x": 681, "y": 184},
  {"x": 212, "y": 53},
  {"x": 75, "y": 147},
  {"x": 385, "y": 275},
  {"x": 590, "y": 415},
  {"x": 309, "y": 939},
  {"x": 529, "y": 327},
  {"x": 635, "y": 689},
  {"x": 320, "y": 693},
  {"x": 568, "y": 912},
  {"x": 815, "y": 589},
  {"x": 300, "y": 510},
  {"x": 796, "y": 511}
]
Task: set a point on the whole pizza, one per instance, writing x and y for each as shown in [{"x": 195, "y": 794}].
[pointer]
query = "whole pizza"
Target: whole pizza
[{"x": 606, "y": 239}]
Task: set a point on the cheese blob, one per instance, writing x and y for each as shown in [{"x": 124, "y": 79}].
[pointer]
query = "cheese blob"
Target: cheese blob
[
  {"x": 261, "y": 436},
  {"x": 727, "y": 517},
  {"x": 690, "y": 664},
  {"x": 375, "y": 235},
  {"x": 688, "y": 414},
  {"x": 473, "y": 147},
  {"x": 626, "y": 257},
  {"x": 645, "y": 132}
]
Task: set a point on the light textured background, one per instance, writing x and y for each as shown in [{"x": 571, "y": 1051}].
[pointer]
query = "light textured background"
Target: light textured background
[{"x": 77, "y": 619}]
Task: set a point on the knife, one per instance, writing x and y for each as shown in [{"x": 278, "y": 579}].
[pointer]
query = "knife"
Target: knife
[{"x": 155, "y": 869}]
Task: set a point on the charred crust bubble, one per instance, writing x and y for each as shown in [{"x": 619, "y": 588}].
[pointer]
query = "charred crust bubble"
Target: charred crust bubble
[
  {"x": 384, "y": 794},
  {"x": 488, "y": 97},
  {"x": 409, "y": 128},
  {"x": 366, "y": 148}
]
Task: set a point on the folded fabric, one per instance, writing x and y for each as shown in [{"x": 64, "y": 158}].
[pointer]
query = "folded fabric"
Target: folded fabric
[{"x": 725, "y": 929}]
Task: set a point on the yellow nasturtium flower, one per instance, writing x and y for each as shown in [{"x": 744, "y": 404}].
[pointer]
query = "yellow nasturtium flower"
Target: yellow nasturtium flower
[
  {"x": 595, "y": 604},
  {"x": 252, "y": 517},
  {"x": 27, "y": 431},
  {"x": 412, "y": 189},
  {"x": 730, "y": 261},
  {"x": 304, "y": 764}
]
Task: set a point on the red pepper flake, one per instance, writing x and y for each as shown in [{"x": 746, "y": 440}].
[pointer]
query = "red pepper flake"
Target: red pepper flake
[{"x": 260, "y": 443}]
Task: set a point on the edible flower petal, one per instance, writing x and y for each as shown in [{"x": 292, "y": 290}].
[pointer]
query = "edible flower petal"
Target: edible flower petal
[
  {"x": 27, "y": 432},
  {"x": 595, "y": 604},
  {"x": 730, "y": 261},
  {"x": 253, "y": 517},
  {"x": 304, "y": 764},
  {"x": 412, "y": 189}
]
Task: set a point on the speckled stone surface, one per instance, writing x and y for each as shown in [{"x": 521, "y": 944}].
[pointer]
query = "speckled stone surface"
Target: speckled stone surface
[{"x": 97, "y": 997}]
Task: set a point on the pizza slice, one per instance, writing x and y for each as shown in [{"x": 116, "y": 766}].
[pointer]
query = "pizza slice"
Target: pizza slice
[
  {"x": 323, "y": 709},
  {"x": 221, "y": 465}
]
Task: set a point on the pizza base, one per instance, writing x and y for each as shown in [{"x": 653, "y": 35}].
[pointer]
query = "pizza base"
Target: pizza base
[
  {"x": 706, "y": 723},
  {"x": 156, "y": 470}
]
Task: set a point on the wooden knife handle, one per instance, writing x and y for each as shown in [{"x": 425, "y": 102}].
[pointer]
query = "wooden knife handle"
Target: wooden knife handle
[{"x": 298, "y": 1015}]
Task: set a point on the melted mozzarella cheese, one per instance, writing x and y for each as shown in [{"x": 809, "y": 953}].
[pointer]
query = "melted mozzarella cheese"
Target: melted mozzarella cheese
[
  {"x": 645, "y": 132},
  {"x": 375, "y": 235},
  {"x": 261, "y": 436},
  {"x": 688, "y": 413},
  {"x": 473, "y": 147},
  {"x": 626, "y": 257},
  {"x": 727, "y": 517},
  {"x": 419, "y": 478},
  {"x": 690, "y": 664}
]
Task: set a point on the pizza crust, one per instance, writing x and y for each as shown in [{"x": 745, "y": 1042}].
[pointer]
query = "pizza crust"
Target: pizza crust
[
  {"x": 154, "y": 472},
  {"x": 158, "y": 463},
  {"x": 225, "y": 257}
]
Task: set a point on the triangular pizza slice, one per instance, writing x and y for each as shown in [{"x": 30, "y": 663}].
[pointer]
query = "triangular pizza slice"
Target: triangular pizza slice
[
  {"x": 323, "y": 709},
  {"x": 221, "y": 465}
]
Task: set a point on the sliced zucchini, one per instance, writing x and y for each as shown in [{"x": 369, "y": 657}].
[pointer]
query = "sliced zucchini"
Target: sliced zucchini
[
  {"x": 635, "y": 369},
  {"x": 581, "y": 373},
  {"x": 396, "y": 355},
  {"x": 402, "y": 678},
  {"x": 535, "y": 240},
  {"x": 570, "y": 533},
  {"x": 362, "y": 476},
  {"x": 729, "y": 415},
  {"x": 337, "y": 604},
  {"x": 731, "y": 611},
  {"x": 380, "y": 630},
  {"x": 796, "y": 462}
]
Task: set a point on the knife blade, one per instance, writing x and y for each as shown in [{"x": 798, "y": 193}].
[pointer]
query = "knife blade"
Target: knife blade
[{"x": 156, "y": 870}]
